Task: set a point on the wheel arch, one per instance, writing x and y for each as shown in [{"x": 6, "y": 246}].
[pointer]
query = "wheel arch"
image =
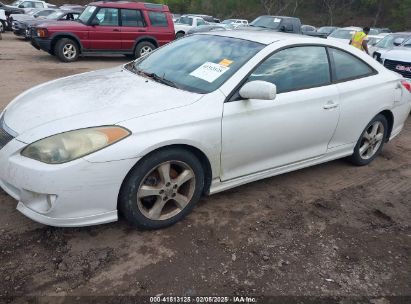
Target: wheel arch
[
  {"x": 59, "y": 36},
  {"x": 390, "y": 119},
  {"x": 148, "y": 39},
  {"x": 201, "y": 156}
]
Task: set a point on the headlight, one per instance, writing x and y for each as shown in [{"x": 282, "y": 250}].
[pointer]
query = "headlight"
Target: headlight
[{"x": 65, "y": 147}]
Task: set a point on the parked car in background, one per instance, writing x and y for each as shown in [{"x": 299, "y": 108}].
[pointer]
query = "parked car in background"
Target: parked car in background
[
  {"x": 186, "y": 23},
  {"x": 234, "y": 23},
  {"x": 3, "y": 21},
  {"x": 207, "y": 28},
  {"x": 398, "y": 59},
  {"x": 277, "y": 23},
  {"x": 308, "y": 28},
  {"x": 201, "y": 115},
  {"x": 34, "y": 13},
  {"x": 8, "y": 9},
  {"x": 389, "y": 42},
  {"x": 344, "y": 35},
  {"x": 29, "y": 26},
  {"x": 27, "y": 5},
  {"x": 327, "y": 30},
  {"x": 374, "y": 31},
  {"x": 176, "y": 17},
  {"x": 130, "y": 28},
  {"x": 75, "y": 7}
]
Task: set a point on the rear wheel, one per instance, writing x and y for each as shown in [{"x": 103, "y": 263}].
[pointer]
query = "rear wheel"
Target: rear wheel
[
  {"x": 162, "y": 189},
  {"x": 371, "y": 142},
  {"x": 179, "y": 35},
  {"x": 143, "y": 48},
  {"x": 66, "y": 50},
  {"x": 2, "y": 26}
]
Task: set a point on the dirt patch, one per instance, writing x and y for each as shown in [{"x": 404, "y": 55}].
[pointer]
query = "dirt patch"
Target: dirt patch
[{"x": 330, "y": 230}]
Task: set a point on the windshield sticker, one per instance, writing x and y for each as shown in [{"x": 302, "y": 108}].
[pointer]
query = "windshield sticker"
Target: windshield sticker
[
  {"x": 226, "y": 62},
  {"x": 210, "y": 71},
  {"x": 277, "y": 20}
]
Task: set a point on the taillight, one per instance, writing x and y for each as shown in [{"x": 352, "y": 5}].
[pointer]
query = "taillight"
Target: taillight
[
  {"x": 406, "y": 85},
  {"x": 42, "y": 33}
]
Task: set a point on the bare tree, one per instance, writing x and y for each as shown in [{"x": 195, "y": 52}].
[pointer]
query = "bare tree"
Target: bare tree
[{"x": 268, "y": 5}]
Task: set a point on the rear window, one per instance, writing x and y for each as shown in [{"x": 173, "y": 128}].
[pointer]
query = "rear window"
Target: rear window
[
  {"x": 132, "y": 18},
  {"x": 158, "y": 19}
]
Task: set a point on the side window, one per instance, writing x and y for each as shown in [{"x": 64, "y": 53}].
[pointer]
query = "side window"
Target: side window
[
  {"x": 347, "y": 66},
  {"x": 200, "y": 22},
  {"x": 158, "y": 19},
  {"x": 108, "y": 16},
  {"x": 38, "y": 5},
  {"x": 132, "y": 18},
  {"x": 295, "y": 69},
  {"x": 27, "y": 4}
]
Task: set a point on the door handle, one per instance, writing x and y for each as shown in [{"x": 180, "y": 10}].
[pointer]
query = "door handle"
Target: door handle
[
  {"x": 116, "y": 30},
  {"x": 330, "y": 105},
  {"x": 142, "y": 31}
]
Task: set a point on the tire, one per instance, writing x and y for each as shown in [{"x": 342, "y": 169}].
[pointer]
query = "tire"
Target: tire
[
  {"x": 143, "y": 49},
  {"x": 180, "y": 35},
  {"x": 371, "y": 141},
  {"x": 2, "y": 26},
  {"x": 161, "y": 189},
  {"x": 66, "y": 50}
]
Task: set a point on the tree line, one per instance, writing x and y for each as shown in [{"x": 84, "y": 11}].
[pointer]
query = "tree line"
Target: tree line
[{"x": 395, "y": 14}]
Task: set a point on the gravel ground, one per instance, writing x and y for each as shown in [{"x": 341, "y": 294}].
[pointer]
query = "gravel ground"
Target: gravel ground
[{"x": 329, "y": 230}]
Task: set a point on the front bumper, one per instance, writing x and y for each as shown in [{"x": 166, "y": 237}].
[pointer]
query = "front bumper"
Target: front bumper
[
  {"x": 41, "y": 44},
  {"x": 75, "y": 194}
]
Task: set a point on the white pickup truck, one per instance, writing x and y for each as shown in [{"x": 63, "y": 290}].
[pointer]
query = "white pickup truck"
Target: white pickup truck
[
  {"x": 186, "y": 23},
  {"x": 28, "y": 5}
]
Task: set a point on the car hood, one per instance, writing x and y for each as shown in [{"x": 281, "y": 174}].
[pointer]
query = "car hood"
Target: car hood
[
  {"x": 103, "y": 97},
  {"x": 399, "y": 54},
  {"x": 63, "y": 25}
]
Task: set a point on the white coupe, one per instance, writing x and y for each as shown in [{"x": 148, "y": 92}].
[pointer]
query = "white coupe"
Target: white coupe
[{"x": 201, "y": 115}]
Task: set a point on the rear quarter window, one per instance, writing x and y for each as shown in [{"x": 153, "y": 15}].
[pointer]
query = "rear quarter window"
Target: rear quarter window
[
  {"x": 158, "y": 19},
  {"x": 348, "y": 67}
]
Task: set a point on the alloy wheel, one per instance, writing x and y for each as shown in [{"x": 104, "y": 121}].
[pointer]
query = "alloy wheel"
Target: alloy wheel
[
  {"x": 166, "y": 190},
  {"x": 145, "y": 50},
  {"x": 372, "y": 140},
  {"x": 69, "y": 51}
]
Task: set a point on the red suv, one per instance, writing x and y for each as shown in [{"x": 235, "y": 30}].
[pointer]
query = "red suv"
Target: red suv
[{"x": 130, "y": 28}]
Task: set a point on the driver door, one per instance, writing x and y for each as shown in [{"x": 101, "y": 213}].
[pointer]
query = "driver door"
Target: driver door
[
  {"x": 258, "y": 135},
  {"x": 106, "y": 36}
]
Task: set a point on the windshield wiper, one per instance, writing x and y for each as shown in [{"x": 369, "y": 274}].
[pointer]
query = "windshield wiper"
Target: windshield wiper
[
  {"x": 154, "y": 76},
  {"x": 162, "y": 80}
]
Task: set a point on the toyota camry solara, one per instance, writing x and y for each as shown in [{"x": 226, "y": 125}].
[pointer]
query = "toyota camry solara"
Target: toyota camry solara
[{"x": 201, "y": 115}]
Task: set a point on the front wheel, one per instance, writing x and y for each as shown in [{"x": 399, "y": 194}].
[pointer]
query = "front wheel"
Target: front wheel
[
  {"x": 66, "y": 50},
  {"x": 180, "y": 35},
  {"x": 161, "y": 189},
  {"x": 371, "y": 142}
]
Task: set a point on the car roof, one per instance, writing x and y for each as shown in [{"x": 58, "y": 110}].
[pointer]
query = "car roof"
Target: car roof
[
  {"x": 263, "y": 37},
  {"x": 351, "y": 28},
  {"x": 133, "y": 5}
]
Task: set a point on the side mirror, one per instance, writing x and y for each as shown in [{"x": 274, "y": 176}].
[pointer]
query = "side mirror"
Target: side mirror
[
  {"x": 21, "y": 6},
  {"x": 261, "y": 90},
  {"x": 398, "y": 41},
  {"x": 94, "y": 22}
]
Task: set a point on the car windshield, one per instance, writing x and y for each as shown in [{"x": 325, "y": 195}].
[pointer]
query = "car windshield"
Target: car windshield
[
  {"x": 342, "y": 34},
  {"x": 229, "y": 21},
  {"x": 86, "y": 14},
  {"x": 208, "y": 62},
  {"x": 374, "y": 32},
  {"x": 16, "y": 3},
  {"x": 186, "y": 20},
  {"x": 55, "y": 15},
  {"x": 325, "y": 29},
  {"x": 388, "y": 41},
  {"x": 267, "y": 22}
]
